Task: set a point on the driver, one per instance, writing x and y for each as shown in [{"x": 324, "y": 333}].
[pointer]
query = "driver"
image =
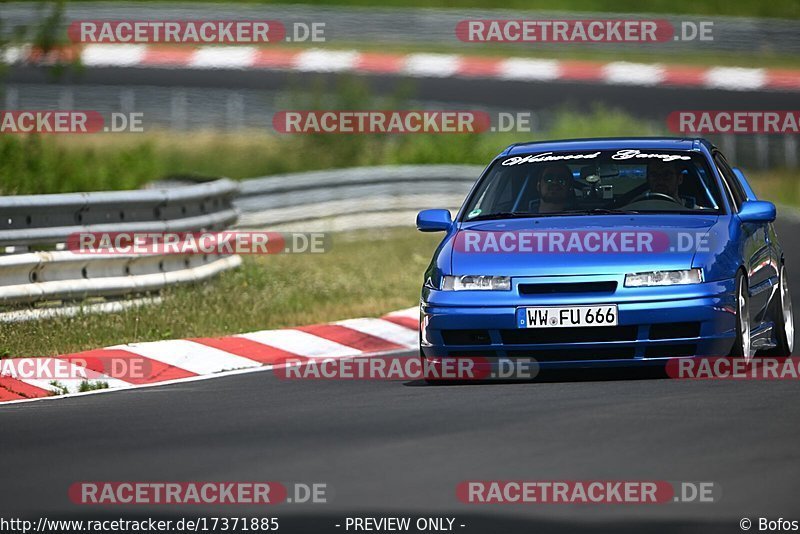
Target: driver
[
  {"x": 556, "y": 188},
  {"x": 663, "y": 178}
]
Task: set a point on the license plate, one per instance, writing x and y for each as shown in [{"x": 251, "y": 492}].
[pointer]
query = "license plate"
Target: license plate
[{"x": 569, "y": 316}]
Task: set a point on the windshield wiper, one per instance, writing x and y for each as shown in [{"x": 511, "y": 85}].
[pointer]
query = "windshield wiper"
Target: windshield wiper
[
  {"x": 500, "y": 215},
  {"x": 601, "y": 211},
  {"x": 518, "y": 215}
]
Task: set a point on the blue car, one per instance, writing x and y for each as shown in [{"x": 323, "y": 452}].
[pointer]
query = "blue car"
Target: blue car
[{"x": 606, "y": 252}]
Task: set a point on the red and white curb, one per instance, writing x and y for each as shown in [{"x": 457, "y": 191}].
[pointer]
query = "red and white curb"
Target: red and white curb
[
  {"x": 180, "y": 360},
  {"x": 419, "y": 65}
]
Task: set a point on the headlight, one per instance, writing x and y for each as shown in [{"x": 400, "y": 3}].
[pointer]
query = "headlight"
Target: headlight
[
  {"x": 664, "y": 278},
  {"x": 473, "y": 282}
]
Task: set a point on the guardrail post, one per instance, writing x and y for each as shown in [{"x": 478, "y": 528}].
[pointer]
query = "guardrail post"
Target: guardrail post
[
  {"x": 762, "y": 151},
  {"x": 66, "y": 99},
  {"x": 178, "y": 110},
  {"x": 234, "y": 110},
  {"x": 790, "y": 151},
  {"x": 127, "y": 101},
  {"x": 12, "y": 98},
  {"x": 728, "y": 142}
]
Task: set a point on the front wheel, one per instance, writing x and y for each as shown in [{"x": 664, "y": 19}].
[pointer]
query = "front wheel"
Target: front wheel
[
  {"x": 782, "y": 316},
  {"x": 742, "y": 347}
]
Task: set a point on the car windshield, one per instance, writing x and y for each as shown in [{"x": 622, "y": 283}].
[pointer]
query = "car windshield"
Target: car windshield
[{"x": 595, "y": 182}]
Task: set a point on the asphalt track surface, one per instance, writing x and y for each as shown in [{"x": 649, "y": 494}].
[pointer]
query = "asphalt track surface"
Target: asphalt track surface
[
  {"x": 649, "y": 102},
  {"x": 400, "y": 448}
]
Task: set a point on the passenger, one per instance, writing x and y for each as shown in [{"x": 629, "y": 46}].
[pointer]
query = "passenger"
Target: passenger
[{"x": 556, "y": 189}]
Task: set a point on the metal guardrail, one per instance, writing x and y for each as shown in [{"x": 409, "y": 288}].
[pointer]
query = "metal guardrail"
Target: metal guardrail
[
  {"x": 41, "y": 219},
  {"x": 31, "y": 223},
  {"x": 352, "y": 198},
  {"x": 341, "y": 199}
]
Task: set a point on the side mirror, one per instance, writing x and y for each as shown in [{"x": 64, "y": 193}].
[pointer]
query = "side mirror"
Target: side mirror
[
  {"x": 757, "y": 211},
  {"x": 434, "y": 221}
]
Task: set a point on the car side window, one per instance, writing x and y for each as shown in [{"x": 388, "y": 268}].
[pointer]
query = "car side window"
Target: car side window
[{"x": 732, "y": 183}]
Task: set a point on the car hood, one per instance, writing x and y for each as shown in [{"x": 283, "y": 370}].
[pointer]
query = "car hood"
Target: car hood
[{"x": 672, "y": 247}]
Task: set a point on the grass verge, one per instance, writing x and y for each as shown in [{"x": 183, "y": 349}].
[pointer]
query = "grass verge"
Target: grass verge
[{"x": 782, "y": 187}]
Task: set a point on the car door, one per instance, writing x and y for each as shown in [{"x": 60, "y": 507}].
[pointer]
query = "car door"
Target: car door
[{"x": 756, "y": 250}]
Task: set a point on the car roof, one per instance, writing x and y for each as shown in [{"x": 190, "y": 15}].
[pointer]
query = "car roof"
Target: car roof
[{"x": 608, "y": 143}]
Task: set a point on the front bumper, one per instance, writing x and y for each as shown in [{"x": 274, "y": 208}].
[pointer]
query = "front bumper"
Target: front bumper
[{"x": 654, "y": 324}]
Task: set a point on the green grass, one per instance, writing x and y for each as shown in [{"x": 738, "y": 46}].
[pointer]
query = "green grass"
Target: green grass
[
  {"x": 92, "y": 385},
  {"x": 364, "y": 274},
  {"x": 780, "y": 186},
  {"x": 86, "y": 385},
  {"x": 62, "y": 389}
]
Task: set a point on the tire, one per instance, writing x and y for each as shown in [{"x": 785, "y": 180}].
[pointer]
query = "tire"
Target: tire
[
  {"x": 781, "y": 313},
  {"x": 742, "y": 347}
]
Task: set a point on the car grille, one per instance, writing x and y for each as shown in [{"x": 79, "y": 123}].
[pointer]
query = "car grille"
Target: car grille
[
  {"x": 566, "y": 288},
  {"x": 550, "y": 355},
  {"x": 598, "y": 334},
  {"x": 466, "y": 337},
  {"x": 512, "y": 340},
  {"x": 477, "y": 354},
  {"x": 674, "y": 330},
  {"x": 564, "y": 355},
  {"x": 670, "y": 350}
]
